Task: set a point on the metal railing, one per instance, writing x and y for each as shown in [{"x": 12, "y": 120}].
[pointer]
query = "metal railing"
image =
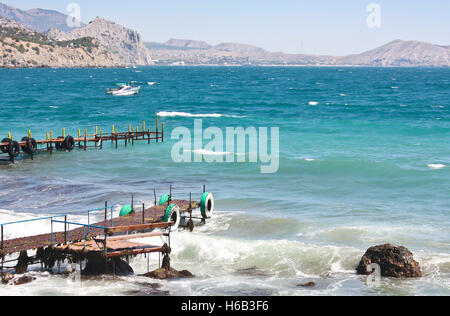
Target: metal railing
[
  {"x": 26, "y": 221},
  {"x": 84, "y": 229}
]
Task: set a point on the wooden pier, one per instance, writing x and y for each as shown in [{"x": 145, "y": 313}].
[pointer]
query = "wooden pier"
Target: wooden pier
[
  {"x": 115, "y": 237},
  {"x": 29, "y": 146}
]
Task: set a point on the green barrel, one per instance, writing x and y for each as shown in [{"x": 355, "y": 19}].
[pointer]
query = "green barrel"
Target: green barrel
[
  {"x": 165, "y": 199},
  {"x": 126, "y": 210}
]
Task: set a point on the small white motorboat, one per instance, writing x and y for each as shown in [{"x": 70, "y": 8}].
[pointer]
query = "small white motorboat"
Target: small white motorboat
[{"x": 124, "y": 90}]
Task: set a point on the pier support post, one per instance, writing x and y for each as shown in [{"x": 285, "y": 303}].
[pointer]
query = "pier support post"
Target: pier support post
[
  {"x": 11, "y": 157},
  {"x": 2, "y": 252},
  {"x": 157, "y": 131},
  {"x": 85, "y": 139},
  {"x": 65, "y": 229},
  {"x": 22, "y": 263}
]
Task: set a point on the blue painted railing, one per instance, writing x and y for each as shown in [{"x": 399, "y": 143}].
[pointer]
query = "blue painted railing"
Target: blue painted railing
[
  {"x": 78, "y": 224},
  {"x": 52, "y": 218}
]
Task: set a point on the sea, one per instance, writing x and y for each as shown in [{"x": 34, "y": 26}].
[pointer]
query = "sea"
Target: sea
[{"x": 364, "y": 159}]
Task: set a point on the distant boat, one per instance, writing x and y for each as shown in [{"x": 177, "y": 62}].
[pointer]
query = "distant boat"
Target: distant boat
[{"x": 124, "y": 90}]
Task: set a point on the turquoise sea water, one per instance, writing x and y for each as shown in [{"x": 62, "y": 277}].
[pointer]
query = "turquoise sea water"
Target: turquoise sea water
[{"x": 369, "y": 164}]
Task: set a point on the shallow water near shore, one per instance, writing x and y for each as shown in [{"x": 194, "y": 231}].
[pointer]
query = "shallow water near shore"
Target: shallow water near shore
[{"x": 361, "y": 163}]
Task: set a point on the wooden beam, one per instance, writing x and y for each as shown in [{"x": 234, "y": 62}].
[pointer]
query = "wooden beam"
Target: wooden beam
[
  {"x": 134, "y": 252},
  {"x": 132, "y": 228},
  {"x": 130, "y": 237}
]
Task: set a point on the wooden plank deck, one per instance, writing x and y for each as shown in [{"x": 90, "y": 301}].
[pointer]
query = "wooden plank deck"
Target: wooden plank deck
[
  {"x": 151, "y": 215},
  {"x": 115, "y": 248}
]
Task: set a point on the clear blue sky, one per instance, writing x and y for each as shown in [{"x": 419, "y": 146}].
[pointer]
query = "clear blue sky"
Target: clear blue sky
[{"x": 308, "y": 26}]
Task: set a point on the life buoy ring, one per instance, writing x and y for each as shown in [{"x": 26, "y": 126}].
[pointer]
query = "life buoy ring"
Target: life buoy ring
[
  {"x": 30, "y": 146},
  {"x": 14, "y": 149},
  {"x": 207, "y": 204},
  {"x": 5, "y": 148},
  {"x": 172, "y": 214},
  {"x": 59, "y": 145},
  {"x": 69, "y": 143},
  {"x": 166, "y": 198}
]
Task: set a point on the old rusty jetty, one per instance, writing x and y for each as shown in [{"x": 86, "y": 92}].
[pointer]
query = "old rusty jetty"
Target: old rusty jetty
[
  {"x": 11, "y": 148},
  {"x": 102, "y": 244}
]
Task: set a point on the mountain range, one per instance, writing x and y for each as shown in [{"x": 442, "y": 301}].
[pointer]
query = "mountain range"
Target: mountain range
[
  {"x": 397, "y": 53},
  {"x": 40, "y": 20},
  {"x": 126, "y": 47}
]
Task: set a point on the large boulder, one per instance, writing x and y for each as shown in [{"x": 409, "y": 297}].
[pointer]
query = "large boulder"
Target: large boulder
[
  {"x": 115, "y": 266},
  {"x": 167, "y": 274},
  {"x": 394, "y": 261}
]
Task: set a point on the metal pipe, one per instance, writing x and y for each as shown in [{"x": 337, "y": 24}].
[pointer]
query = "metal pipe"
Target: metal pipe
[
  {"x": 3, "y": 255},
  {"x": 33, "y": 220},
  {"x": 79, "y": 224},
  {"x": 65, "y": 230},
  {"x": 52, "y": 230}
]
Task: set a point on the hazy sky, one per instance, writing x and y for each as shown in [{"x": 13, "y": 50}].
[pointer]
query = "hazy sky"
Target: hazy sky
[{"x": 298, "y": 26}]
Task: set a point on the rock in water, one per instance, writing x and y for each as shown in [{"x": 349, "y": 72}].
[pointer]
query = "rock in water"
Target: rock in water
[
  {"x": 116, "y": 266},
  {"x": 7, "y": 277},
  {"x": 23, "y": 280},
  {"x": 166, "y": 274},
  {"x": 394, "y": 261},
  {"x": 309, "y": 284}
]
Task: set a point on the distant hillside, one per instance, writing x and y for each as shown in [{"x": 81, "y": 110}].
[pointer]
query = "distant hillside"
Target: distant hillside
[
  {"x": 189, "y": 52},
  {"x": 21, "y": 47},
  {"x": 187, "y": 44},
  {"x": 125, "y": 43},
  {"x": 36, "y": 19},
  {"x": 401, "y": 53},
  {"x": 396, "y": 54}
]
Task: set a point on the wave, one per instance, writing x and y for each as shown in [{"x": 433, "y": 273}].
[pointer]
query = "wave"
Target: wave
[
  {"x": 212, "y": 153},
  {"x": 436, "y": 166},
  {"x": 184, "y": 114}
]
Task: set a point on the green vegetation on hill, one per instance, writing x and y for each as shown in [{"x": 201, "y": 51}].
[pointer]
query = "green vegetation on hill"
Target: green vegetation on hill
[
  {"x": 18, "y": 34},
  {"x": 84, "y": 42}
]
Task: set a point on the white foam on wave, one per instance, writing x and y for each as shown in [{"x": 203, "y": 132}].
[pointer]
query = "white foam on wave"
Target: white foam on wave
[
  {"x": 436, "y": 166},
  {"x": 185, "y": 114},
  {"x": 212, "y": 153},
  {"x": 313, "y": 103}
]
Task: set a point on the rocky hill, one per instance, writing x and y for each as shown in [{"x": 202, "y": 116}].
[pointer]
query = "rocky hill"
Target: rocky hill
[
  {"x": 189, "y": 52},
  {"x": 395, "y": 54},
  {"x": 36, "y": 19},
  {"x": 401, "y": 53},
  {"x": 125, "y": 43},
  {"x": 187, "y": 44},
  {"x": 21, "y": 47}
]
